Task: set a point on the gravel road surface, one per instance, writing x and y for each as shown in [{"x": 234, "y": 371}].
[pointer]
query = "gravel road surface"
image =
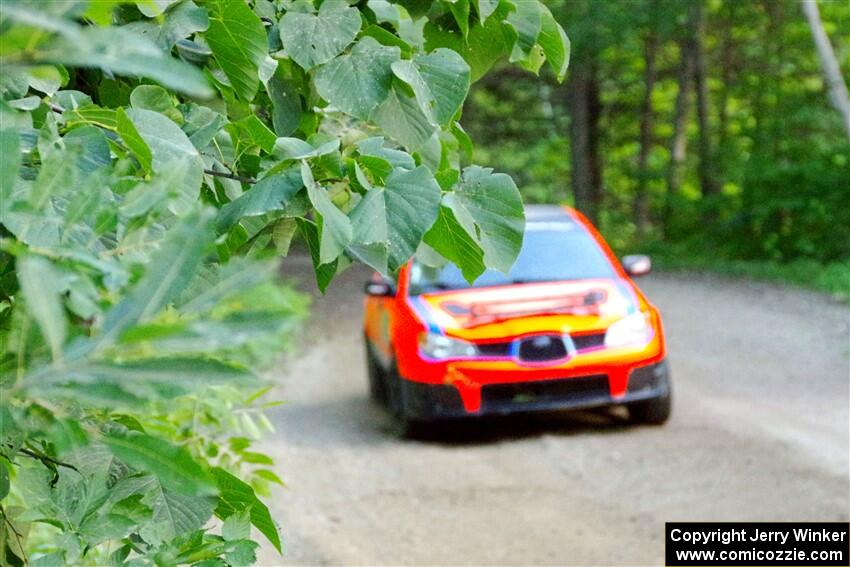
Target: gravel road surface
[{"x": 760, "y": 431}]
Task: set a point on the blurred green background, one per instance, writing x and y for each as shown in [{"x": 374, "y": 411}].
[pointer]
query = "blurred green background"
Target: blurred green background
[{"x": 701, "y": 132}]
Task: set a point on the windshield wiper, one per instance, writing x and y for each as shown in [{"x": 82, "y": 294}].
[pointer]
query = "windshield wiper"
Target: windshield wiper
[
  {"x": 442, "y": 286},
  {"x": 531, "y": 280}
]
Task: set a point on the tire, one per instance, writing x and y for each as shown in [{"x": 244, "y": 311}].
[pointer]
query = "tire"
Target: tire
[
  {"x": 377, "y": 378},
  {"x": 392, "y": 387},
  {"x": 413, "y": 429},
  {"x": 654, "y": 411},
  {"x": 408, "y": 427}
]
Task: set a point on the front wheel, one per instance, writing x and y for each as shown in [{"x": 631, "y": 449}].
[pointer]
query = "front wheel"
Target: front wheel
[
  {"x": 377, "y": 379},
  {"x": 654, "y": 411}
]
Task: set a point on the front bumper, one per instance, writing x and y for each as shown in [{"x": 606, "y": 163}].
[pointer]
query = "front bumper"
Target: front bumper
[{"x": 423, "y": 401}]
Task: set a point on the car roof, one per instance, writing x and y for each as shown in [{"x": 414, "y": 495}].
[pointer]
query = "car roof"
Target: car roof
[{"x": 545, "y": 214}]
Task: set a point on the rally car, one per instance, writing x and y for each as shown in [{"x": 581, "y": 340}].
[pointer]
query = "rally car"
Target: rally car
[{"x": 566, "y": 328}]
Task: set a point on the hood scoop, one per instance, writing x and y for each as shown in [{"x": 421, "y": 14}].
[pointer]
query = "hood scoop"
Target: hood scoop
[{"x": 586, "y": 302}]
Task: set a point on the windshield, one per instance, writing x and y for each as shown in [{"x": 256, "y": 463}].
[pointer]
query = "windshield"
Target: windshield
[{"x": 558, "y": 252}]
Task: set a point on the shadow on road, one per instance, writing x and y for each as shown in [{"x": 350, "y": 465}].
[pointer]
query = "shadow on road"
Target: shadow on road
[
  {"x": 356, "y": 420},
  {"x": 482, "y": 431}
]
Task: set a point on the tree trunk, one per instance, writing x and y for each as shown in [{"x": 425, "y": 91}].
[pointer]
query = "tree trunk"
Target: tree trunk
[
  {"x": 829, "y": 64},
  {"x": 706, "y": 172},
  {"x": 679, "y": 139},
  {"x": 642, "y": 220},
  {"x": 585, "y": 109},
  {"x": 727, "y": 62},
  {"x": 580, "y": 171},
  {"x": 594, "y": 105}
]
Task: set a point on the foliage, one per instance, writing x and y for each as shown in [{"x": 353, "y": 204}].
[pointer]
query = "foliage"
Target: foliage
[
  {"x": 156, "y": 157},
  {"x": 832, "y": 278},
  {"x": 779, "y": 155}
]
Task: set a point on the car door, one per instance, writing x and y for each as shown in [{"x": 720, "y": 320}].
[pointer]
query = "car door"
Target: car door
[{"x": 378, "y": 316}]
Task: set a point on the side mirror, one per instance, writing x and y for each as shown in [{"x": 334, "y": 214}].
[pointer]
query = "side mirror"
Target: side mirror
[
  {"x": 379, "y": 289},
  {"x": 637, "y": 264}
]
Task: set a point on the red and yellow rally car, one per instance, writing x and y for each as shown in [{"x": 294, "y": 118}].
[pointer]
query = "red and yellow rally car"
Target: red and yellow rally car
[{"x": 565, "y": 328}]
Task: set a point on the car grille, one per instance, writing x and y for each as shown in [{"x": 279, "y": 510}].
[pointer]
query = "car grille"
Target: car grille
[
  {"x": 542, "y": 348},
  {"x": 546, "y": 390},
  {"x": 503, "y": 349},
  {"x": 494, "y": 349},
  {"x": 588, "y": 341}
]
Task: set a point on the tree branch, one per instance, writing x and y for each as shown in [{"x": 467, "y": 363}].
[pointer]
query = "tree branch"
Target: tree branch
[
  {"x": 230, "y": 176},
  {"x": 47, "y": 459}
]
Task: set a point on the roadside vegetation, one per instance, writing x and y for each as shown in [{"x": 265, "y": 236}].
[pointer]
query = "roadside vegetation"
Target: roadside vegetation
[
  {"x": 831, "y": 278},
  {"x": 158, "y": 157},
  {"x": 712, "y": 134}
]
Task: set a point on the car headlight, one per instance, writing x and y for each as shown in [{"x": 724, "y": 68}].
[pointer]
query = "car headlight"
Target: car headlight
[
  {"x": 630, "y": 330},
  {"x": 441, "y": 347}
]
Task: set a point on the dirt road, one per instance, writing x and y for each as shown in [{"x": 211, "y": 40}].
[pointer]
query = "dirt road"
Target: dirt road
[{"x": 759, "y": 432}]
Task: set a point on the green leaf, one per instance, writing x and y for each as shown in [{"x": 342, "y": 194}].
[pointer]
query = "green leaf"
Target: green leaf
[
  {"x": 133, "y": 140},
  {"x": 236, "y": 496},
  {"x": 91, "y": 114},
  {"x": 92, "y": 147},
  {"x": 440, "y": 81},
  {"x": 286, "y": 104},
  {"x": 238, "y": 41},
  {"x": 460, "y": 11},
  {"x": 187, "y": 372},
  {"x": 486, "y": 8},
  {"x": 153, "y": 8},
  {"x": 295, "y": 148},
  {"x": 390, "y": 222},
  {"x": 237, "y": 526},
  {"x": 205, "y": 336},
  {"x": 129, "y": 384},
  {"x": 388, "y": 38},
  {"x": 555, "y": 44},
  {"x": 313, "y": 39},
  {"x": 374, "y": 147},
  {"x": 201, "y": 124},
  {"x": 384, "y": 11},
  {"x": 402, "y": 118},
  {"x": 526, "y": 19},
  {"x": 451, "y": 240},
  {"x": 168, "y": 273},
  {"x": 356, "y": 83},
  {"x": 182, "y": 21},
  {"x": 98, "y": 529},
  {"x": 101, "y": 12},
  {"x": 275, "y": 192},
  {"x": 39, "y": 286},
  {"x": 58, "y": 172},
  {"x": 164, "y": 138},
  {"x": 168, "y": 144},
  {"x": 463, "y": 140},
  {"x": 10, "y": 163},
  {"x": 172, "y": 513},
  {"x": 115, "y": 49},
  {"x": 156, "y": 98},
  {"x": 4, "y": 480},
  {"x": 489, "y": 207},
  {"x": 241, "y": 552},
  {"x": 173, "y": 466},
  {"x": 269, "y": 475},
  {"x": 324, "y": 272},
  {"x": 154, "y": 194},
  {"x": 335, "y": 228},
  {"x": 47, "y": 78},
  {"x": 485, "y": 46},
  {"x": 27, "y": 104},
  {"x": 251, "y": 132},
  {"x": 215, "y": 283}
]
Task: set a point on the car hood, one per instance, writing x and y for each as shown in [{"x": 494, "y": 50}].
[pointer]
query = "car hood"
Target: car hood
[{"x": 520, "y": 309}]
